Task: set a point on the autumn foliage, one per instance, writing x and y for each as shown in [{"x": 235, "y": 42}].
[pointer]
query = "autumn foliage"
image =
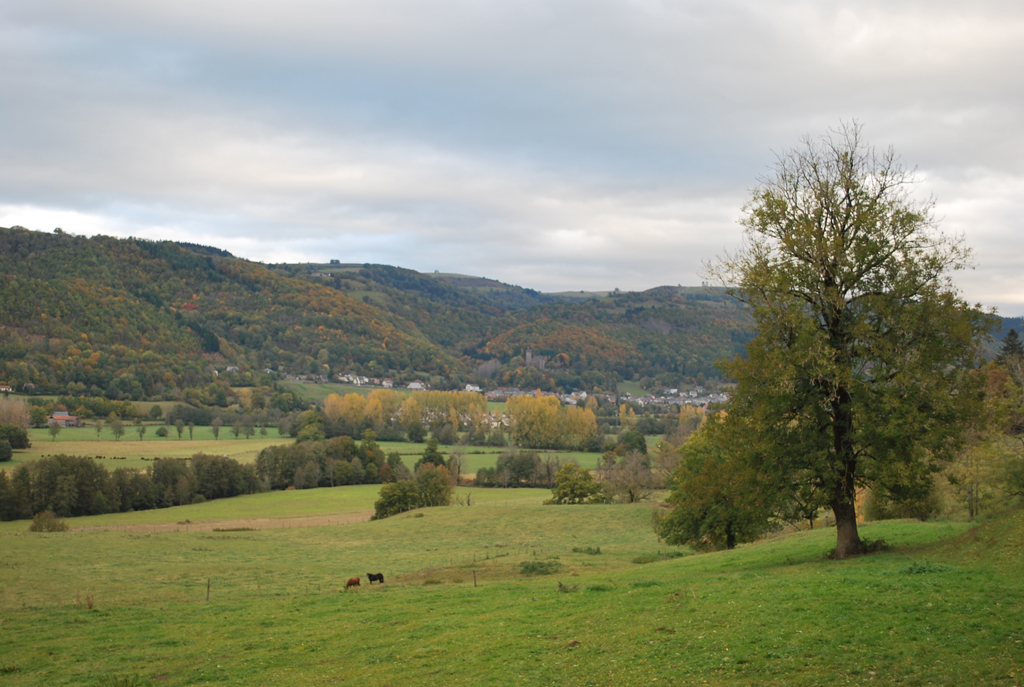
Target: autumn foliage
[{"x": 543, "y": 422}]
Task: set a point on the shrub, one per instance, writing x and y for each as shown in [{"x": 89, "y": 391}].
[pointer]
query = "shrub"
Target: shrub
[
  {"x": 161, "y": 431},
  {"x": 16, "y": 436},
  {"x": 659, "y": 556},
  {"x": 5, "y": 450},
  {"x": 539, "y": 567},
  {"x": 589, "y": 550},
  {"x": 396, "y": 497},
  {"x": 920, "y": 567},
  {"x": 574, "y": 484},
  {"x": 598, "y": 588},
  {"x": 434, "y": 485},
  {"x": 46, "y": 521}
]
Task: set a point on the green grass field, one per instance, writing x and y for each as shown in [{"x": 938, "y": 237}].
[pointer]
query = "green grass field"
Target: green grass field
[
  {"x": 945, "y": 606},
  {"x": 476, "y": 457},
  {"x": 129, "y": 451},
  {"x": 82, "y": 441},
  {"x": 285, "y": 505}
]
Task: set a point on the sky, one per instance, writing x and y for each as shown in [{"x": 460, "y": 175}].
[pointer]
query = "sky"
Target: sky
[{"x": 558, "y": 145}]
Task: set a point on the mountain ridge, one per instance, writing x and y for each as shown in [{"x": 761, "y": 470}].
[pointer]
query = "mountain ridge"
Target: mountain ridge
[{"x": 140, "y": 319}]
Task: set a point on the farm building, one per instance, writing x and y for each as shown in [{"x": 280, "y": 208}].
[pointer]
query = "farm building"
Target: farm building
[{"x": 62, "y": 418}]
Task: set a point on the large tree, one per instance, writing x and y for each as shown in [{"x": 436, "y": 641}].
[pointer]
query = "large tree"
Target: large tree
[
  {"x": 860, "y": 373},
  {"x": 717, "y": 498}
]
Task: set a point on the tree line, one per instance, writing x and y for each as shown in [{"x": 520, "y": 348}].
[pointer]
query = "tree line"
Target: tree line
[
  {"x": 75, "y": 486},
  {"x": 328, "y": 463}
]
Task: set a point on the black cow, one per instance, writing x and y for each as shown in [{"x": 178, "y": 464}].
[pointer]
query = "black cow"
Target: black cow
[{"x": 379, "y": 577}]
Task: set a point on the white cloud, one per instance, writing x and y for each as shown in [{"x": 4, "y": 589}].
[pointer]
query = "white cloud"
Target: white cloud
[{"x": 558, "y": 145}]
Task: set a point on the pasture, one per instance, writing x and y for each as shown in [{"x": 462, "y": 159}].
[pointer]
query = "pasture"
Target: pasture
[
  {"x": 130, "y": 452},
  {"x": 943, "y": 606},
  {"x": 283, "y": 506},
  {"x": 476, "y": 457}
]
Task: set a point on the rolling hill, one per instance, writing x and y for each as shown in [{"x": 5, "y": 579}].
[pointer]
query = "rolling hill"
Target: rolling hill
[
  {"x": 134, "y": 319},
  {"x": 149, "y": 320}
]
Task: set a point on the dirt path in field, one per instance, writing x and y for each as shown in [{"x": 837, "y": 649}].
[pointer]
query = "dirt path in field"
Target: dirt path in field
[{"x": 236, "y": 525}]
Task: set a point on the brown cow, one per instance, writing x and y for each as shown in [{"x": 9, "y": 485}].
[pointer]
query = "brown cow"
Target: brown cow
[{"x": 352, "y": 582}]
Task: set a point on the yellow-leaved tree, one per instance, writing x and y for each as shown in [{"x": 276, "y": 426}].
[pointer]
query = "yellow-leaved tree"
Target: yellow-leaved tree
[
  {"x": 350, "y": 408},
  {"x": 542, "y": 422}
]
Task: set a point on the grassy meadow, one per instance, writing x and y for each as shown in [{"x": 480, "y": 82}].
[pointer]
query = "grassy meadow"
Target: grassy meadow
[
  {"x": 284, "y": 505},
  {"x": 943, "y": 606},
  {"x": 130, "y": 451}
]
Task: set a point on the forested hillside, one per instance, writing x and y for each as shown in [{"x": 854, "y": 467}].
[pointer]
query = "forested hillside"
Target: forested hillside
[
  {"x": 664, "y": 336},
  {"x": 142, "y": 319},
  {"x": 137, "y": 319}
]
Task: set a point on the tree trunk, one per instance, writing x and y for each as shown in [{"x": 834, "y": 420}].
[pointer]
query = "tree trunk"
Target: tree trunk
[{"x": 848, "y": 541}]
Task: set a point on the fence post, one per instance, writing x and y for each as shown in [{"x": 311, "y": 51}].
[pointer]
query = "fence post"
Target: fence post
[
  {"x": 474, "y": 578},
  {"x": 207, "y": 588}
]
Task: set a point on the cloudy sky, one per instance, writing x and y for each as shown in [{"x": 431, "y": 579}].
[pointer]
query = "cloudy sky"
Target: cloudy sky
[{"x": 556, "y": 144}]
